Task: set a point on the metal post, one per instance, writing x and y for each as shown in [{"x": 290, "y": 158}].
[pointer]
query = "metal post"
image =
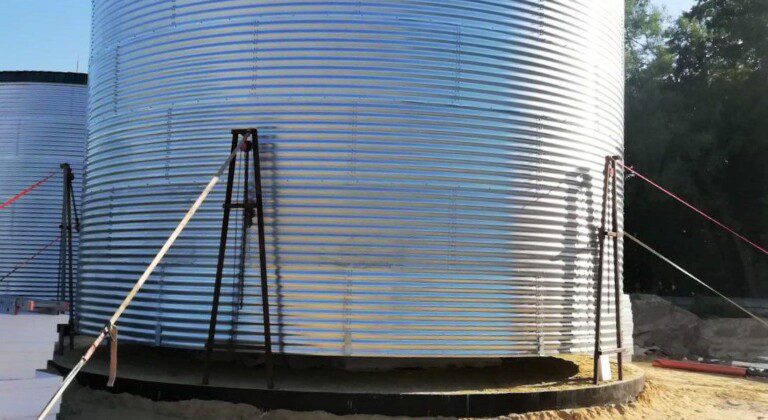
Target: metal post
[
  {"x": 601, "y": 249},
  {"x": 70, "y": 259},
  {"x": 220, "y": 265},
  {"x": 74, "y": 205},
  {"x": 262, "y": 260},
  {"x": 247, "y": 222},
  {"x": 60, "y": 292},
  {"x": 62, "y": 274},
  {"x": 616, "y": 284}
]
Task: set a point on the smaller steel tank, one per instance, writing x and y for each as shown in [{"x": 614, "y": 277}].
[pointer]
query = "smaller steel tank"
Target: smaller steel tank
[{"x": 42, "y": 125}]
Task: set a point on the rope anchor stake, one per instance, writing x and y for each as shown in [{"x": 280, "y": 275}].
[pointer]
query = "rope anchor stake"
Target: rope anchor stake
[{"x": 112, "y": 332}]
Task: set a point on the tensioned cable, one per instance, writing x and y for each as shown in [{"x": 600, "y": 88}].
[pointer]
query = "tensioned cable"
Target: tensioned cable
[
  {"x": 29, "y": 259},
  {"x": 26, "y": 191},
  {"x": 692, "y": 207},
  {"x": 682, "y": 270}
]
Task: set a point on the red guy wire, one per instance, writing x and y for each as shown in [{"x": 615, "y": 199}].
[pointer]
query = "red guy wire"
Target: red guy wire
[
  {"x": 28, "y": 260},
  {"x": 25, "y": 191},
  {"x": 692, "y": 207}
]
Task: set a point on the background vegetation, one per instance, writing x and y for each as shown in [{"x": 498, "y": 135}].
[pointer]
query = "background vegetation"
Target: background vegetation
[{"x": 697, "y": 122}]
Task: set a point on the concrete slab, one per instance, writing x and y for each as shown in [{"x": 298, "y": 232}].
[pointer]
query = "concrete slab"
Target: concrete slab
[
  {"x": 27, "y": 342},
  {"x": 24, "y": 398}
]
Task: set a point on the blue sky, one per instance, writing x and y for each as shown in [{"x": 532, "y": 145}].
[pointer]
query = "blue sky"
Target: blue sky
[
  {"x": 54, "y": 35},
  {"x": 44, "y": 34},
  {"x": 675, "y": 7}
]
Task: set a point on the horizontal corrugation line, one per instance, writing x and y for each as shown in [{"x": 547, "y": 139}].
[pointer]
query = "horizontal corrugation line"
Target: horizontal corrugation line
[
  {"x": 432, "y": 171},
  {"x": 41, "y": 126}
]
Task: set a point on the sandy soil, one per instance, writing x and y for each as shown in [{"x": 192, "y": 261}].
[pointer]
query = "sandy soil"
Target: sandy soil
[
  {"x": 674, "y": 394},
  {"x": 669, "y": 394}
]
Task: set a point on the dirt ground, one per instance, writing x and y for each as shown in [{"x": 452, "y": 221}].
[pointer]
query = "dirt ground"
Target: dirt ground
[
  {"x": 669, "y": 394},
  {"x": 674, "y": 394},
  {"x": 673, "y": 331}
]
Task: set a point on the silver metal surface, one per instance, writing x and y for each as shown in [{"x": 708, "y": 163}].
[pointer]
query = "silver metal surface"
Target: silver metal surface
[
  {"x": 432, "y": 170},
  {"x": 42, "y": 125}
]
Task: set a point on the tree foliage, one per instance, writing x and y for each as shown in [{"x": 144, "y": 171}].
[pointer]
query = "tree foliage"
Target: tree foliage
[
  {"x": 643, "y": 36},
  {"x": 697, "y": 121}
]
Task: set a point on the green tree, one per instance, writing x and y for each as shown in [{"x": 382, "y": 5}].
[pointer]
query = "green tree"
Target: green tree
[
  {"x": 697, "y": 120},
  {"x": 643, "y": 36},
  {"x": 648, "y": 132}
]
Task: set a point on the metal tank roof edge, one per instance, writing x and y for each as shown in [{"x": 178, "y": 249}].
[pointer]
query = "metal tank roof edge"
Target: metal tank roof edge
[{"x": 43, "y": 77}]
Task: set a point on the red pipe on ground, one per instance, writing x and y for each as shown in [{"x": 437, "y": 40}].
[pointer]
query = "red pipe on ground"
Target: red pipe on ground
[{"x": 701, "y": 367}]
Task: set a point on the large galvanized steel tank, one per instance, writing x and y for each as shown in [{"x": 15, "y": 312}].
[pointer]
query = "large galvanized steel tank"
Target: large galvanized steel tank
[
  {"x": 433, "y": 170},
  {"x": 42, "y": 125}
]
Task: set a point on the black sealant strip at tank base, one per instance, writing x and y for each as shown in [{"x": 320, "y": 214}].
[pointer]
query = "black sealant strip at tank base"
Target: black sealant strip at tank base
[
  {"x": 43, "y": 77},
  {"x": 414, "y": 405}
]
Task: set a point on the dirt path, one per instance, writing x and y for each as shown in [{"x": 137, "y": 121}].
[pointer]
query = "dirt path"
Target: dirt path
[{"x": 669, "y": 394}]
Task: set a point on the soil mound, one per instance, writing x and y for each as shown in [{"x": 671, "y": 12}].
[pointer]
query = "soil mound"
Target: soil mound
[{"x": 663, "y": 328}]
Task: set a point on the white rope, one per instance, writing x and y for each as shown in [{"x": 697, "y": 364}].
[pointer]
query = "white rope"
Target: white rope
[
  {"x": 160, "y": 254},
  {"x": 668, "y": 261}
]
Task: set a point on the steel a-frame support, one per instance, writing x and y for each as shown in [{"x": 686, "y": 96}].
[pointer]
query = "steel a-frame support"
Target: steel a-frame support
[
  {"x": 66, "y": 279},
  {"x": 250, "y": 145}
]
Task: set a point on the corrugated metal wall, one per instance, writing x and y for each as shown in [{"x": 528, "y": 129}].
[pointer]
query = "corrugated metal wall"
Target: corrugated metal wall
[
  {"x": 432, "y": 169},
  {"x": 42, "y": 124}
]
